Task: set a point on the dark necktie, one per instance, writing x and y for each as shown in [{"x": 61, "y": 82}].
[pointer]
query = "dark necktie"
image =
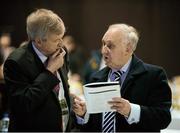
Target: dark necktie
[
  {"x": 57, "y": 87},
  {"x": 108, "y": 121},
  {"x": 117, "y": 76},
  {"x": 46, "y": 62}
]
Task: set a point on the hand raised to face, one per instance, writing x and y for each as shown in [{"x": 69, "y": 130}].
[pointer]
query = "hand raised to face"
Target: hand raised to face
[{"x": 56, "y": 60}]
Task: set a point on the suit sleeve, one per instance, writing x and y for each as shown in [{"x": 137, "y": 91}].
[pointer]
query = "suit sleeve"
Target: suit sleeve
[
  {"x": 156, "y": 115},
  {"x": 27, "y": 95}
]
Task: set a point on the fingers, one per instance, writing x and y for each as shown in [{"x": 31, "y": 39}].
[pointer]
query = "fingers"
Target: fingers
[
  {"x": 121, "y": 105},
  {"x": 77, "y": 100},
  {"x": 116, "y": 105},
  {"x": 60, "y": 52},
  {"x": 63, "y": 52},
  {"x": 75, "y": 97},
  {"x": 56, "y": 53},
  {"x": 117, "y": 99},
  {"x": 79, "y": 106}
]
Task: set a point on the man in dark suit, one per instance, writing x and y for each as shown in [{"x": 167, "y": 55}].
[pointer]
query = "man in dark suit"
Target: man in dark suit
[
  {"x": 145, "y": 99},
  {"x": 36, "y": 76}
]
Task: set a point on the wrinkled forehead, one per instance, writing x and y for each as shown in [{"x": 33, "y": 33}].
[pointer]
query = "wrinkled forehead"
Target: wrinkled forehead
[
  {"x": 54, "y": 35},
  {"x": 113, "y": 35}
]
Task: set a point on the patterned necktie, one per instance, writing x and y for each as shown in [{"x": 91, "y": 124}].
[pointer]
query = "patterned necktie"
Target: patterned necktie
[
  {"x": 57, "y": 87},
  {"x": 117, "y": 76},
  {"x": 108, "y": 121}
]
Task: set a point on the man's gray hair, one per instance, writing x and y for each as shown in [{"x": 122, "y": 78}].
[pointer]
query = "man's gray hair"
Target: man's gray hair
[
  {"x": 43, "y": 21},
  {"x": 132, "y": 36}
]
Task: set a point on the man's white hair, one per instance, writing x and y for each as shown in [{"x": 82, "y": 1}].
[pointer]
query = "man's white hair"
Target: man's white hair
[{"x": 131, "y": 34}]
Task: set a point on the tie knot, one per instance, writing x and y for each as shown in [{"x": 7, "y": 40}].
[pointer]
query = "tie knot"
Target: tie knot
[
  {"x": 117, "y": 75},
  {"x": 46, "y": 62}
]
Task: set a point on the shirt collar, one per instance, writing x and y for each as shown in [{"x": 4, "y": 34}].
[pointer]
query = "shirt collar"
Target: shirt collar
[{"x": 42, "y": 57}]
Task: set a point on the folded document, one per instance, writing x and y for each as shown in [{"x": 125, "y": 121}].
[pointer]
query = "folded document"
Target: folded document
[{"x": 98, "y": 94}]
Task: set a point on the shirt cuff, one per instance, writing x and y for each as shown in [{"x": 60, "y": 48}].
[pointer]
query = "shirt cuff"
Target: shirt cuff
[
  {"x": 81, "y": 120},
  {"x": 134, "y": 116}
]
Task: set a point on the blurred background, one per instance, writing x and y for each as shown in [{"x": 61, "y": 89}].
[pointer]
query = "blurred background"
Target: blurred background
[{"x": 158, "y": 22}]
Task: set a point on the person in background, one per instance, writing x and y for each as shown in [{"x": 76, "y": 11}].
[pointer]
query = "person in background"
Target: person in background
[
  {"x": 36, "y": 76},
  {"x": 3, "y": 90},
  {"x": 5, "y": 43},
  {"x": 1, "y": 63},
  {"x": 95, "y": 63},
  {"x": 76, "y": 57},
  {"x": 5, "y": 50},
  {"x": 145, "y": 99},
  {"x": 76, "y": 61}
]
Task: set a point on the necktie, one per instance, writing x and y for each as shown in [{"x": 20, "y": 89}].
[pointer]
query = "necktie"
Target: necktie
[
  {"x": 108, "y": 121},
  {"x": 62, "y": 101},
  {"x": 57, "y": 87},
  {"x": 46, "y": 62},
  {"x": 117, "y": 76}
]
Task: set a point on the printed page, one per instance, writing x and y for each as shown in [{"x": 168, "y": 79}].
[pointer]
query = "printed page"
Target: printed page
[{"x": 98, "y": 94}]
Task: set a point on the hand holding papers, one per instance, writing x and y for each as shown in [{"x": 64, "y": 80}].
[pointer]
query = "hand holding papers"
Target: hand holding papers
[{"x": 98, "y": 94}]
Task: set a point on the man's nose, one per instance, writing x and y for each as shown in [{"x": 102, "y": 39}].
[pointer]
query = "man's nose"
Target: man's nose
[
  {"x": 60, "y": 44},
  {"x": 105, "y": 49}
]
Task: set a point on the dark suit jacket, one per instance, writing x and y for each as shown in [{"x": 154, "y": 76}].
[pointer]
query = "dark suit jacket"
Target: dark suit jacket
[
  {"x": 33, "y": 104},
  {"x": 145, "y": 85}
]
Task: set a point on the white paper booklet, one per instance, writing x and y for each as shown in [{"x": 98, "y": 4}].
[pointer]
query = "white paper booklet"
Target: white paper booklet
[{"x": 98, "y": 94}]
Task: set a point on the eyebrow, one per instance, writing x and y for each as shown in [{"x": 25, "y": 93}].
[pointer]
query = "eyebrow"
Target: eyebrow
[
  {"x": 57, "y": 39},
  {"x": 108, "y": 41}
]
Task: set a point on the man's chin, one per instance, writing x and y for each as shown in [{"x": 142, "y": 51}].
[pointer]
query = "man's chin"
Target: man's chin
[
  {"x": 51, "y": 53},
  {"x": 110, "y": 65}
]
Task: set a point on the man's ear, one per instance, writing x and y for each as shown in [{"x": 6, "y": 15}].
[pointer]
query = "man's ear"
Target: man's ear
[
  {"x": 38, "y": 41},
  {"x": 129, "y": 48}
]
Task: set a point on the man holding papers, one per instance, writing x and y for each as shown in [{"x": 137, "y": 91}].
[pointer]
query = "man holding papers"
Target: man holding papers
[
  {"x": 100, "y": 93},
  {"x": 145, "y": 100}
]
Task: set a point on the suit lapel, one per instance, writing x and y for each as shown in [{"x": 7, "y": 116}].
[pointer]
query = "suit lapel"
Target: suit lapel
[
  {"x": 101, "y": 76},
  {"x": 30, "y": 61},
  {"x": 136, "y": 68},
  {"x": 33, "y": 58}
]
